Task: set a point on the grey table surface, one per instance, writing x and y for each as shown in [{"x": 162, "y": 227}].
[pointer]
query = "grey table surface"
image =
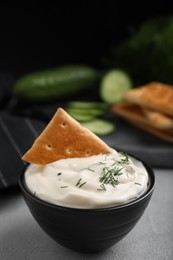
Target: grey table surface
[{"x": 152, "y": 238}]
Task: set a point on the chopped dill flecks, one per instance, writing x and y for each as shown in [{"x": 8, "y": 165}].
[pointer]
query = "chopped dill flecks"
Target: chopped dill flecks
[
  {"x": 102, "y": 163},
  {"x": 82, "y": 184},
  {"x": 137, "y": 183},
  {"x": 62, "y": 187},
  {"x": 109, "y": 175},
  {"x": 78, "y": 183},
  {"x": 89, "y": 169},
  {"x": 114, "y": 164},
  {"x": 59, "y": 173},
  {"x": 125, "y": 158},
  {"x": 103, "y": 188},
  {"x": 117, "y": 171}
]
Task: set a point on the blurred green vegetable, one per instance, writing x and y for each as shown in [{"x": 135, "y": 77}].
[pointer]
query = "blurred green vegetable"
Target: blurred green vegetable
[
  {"x": 147, "y": 55},
  {"x": 99, "y": 126},
  {"x": 114, "y": 84},
  {"x": 54, "y": 84},
  {"x": 91, "y": 116}
]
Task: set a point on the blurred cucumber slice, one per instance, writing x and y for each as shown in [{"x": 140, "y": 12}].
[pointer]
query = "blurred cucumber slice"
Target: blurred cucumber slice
[
  {"x": 81, "y": 117},
  {"x": 90, "y": 112},
  {"x": 113, "y": 85},
  {"x": 99, "y": 126},
  {"x": 87, "y": 105}
]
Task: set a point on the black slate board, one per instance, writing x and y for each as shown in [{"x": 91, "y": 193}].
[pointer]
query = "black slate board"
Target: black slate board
[
  {"x": 137, "y": 142},
  {"x": 17, "y": 134}
]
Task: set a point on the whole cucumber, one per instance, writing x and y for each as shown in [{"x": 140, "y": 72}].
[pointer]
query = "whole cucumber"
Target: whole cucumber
[{"x": 55, "y": 83}]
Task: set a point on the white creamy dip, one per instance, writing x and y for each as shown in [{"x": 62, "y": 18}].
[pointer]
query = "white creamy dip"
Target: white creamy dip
[{"x": 93, "y": 182}]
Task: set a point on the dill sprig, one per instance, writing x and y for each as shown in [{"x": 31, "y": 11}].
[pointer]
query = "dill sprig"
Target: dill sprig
[
  {"x": 103, "y": 188},
  {"x": 82, "y": 184},
  {"x": 79, "y": 184},
  {"x": 109, "y": 176},
  {"x": 89, "y": 169},
  {"x": 102, "y": 163},
  {"x": 125, "y": 158},
  {"x": 137, "y": 183}
]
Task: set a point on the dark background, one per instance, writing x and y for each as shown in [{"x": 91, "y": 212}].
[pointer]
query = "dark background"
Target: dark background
[{"x": 45, "y": 36}]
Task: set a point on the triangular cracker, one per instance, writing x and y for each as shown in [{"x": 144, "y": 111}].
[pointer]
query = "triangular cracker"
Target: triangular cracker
[{"x": 64, "y": 138}]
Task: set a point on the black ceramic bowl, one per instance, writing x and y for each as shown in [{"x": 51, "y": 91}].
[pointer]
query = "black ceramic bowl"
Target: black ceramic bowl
[{"x": 87, "y": 230}]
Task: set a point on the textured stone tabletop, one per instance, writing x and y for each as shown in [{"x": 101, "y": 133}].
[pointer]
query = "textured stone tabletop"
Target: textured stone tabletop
[{"x": 152, "y": 238}]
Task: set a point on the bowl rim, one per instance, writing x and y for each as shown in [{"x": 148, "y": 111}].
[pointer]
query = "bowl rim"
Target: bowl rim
[{"x": 146, "y": 194}]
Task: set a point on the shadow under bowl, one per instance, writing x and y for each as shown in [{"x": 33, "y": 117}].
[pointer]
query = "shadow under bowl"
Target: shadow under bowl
[{"x": 87, "y": 230}]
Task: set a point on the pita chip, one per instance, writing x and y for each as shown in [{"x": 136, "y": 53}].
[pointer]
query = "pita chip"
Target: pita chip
[
  {"x": 157, "y": 119},
  {"x": 134, "y": 114},
  {"x": 64, "y": 138},
  {"x": 155, "y": 95}
]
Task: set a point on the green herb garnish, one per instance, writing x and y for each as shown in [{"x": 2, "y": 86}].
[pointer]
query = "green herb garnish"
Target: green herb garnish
[
  {"x": 79, "y": 184},
  {"x": 82, "y": 184},
  {"x": 137, "y": 183},
  {"x": 62, "y": 187},
  {"x": 59, "y": 173},
  {"x": 103, "y": 188},
  {"x": 102, "y": 163},
  {"x": 125, "y": 158},
  {"x": 89, "y": 169},
  {"x": 109, "y": 177},
  {"x": 117, "y": 171}
]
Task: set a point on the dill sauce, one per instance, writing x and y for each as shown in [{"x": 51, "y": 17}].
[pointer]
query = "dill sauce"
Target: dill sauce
[{"x": 94, "y": 182}]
